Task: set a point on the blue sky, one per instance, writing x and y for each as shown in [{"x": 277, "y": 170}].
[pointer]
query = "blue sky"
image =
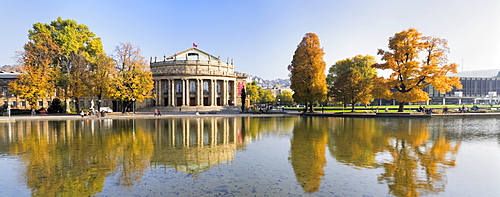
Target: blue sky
[{"x": 262, "y": 35}]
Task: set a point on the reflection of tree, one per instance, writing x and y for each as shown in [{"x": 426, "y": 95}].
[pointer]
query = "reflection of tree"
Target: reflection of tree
[
  {"x": 133, "y": 151},
  {"x": 307, "y": 153},
  {"x": 60, "y": 164},
  {"x": 355, "y": 141},
  {"x": 67, "y": 160},
  {"x": 417, "y": 167}
]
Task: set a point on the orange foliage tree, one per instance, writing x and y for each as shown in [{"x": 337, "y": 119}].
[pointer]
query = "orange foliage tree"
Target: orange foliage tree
[
  {"x": 416, "y": 62},
  {"x": 307, "y": 72}
]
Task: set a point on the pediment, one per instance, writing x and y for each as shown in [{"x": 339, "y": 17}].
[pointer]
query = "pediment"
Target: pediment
[{"x": 193, "y": 54}]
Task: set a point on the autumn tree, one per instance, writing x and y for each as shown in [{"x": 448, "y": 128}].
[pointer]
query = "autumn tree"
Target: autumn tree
[
  {"x": 307, "y": 72},
  {"x": 102, "y": 68},
  {"x": 36, "y": 80},
  {"x": 285, "y": 98},
  {"x": 416, "y": 62},
  {"x": 74, "y": 40},
  {"x": 133, "y": 80},
  {"x": 350, "y": 80}
]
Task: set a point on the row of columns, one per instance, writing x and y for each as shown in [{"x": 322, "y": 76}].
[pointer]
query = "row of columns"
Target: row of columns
[{"x": 171, "y": 95}]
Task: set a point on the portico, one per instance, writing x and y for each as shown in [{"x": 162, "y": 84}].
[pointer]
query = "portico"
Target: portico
[{"x": 196, "y": 78}]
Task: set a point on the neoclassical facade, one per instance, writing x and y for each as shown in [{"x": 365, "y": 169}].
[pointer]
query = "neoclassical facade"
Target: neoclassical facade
[{"x": 196, "y": 78}]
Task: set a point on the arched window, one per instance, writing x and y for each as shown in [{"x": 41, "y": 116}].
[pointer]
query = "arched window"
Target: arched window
[
  {"x": 192, "y": 87},
  {"x": 205, "y": 87},
  {"x": 165, "y": 88},
  {"x": 218, "y": 87}
]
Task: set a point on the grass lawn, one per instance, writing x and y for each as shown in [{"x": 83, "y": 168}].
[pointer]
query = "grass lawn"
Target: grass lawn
[{"x": 391, "y": 108}]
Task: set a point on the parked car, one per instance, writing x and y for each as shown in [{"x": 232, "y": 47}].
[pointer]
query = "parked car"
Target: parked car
[{"x": 106, "y": 109}]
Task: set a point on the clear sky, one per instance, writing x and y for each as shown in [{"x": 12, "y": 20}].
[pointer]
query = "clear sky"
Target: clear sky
[{"x": 262, "y": 35}]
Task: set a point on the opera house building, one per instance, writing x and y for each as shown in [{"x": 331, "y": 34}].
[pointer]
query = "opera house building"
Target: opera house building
[{"x": 194, "y": 78}]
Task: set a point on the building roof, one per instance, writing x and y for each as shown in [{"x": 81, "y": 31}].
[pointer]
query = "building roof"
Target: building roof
[
  {"x": 192, "y": 54},
  {"x": 8, "y": 75}
]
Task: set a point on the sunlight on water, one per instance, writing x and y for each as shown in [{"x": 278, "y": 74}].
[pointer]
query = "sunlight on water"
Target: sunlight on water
[{"x": 249, "y": 156}]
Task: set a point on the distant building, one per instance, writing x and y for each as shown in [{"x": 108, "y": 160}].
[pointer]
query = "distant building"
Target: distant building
[
  {"x": 475, "y": 90},
  {"x": 196, "y": 78}
]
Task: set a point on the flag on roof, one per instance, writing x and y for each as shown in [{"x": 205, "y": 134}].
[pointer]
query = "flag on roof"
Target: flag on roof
[{"x": 195, "y": 45}]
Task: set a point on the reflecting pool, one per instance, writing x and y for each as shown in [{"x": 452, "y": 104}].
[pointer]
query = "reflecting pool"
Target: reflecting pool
[{"x": 249, "y": 156}]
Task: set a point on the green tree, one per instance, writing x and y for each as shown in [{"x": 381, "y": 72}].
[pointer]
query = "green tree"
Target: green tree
[
  {"x": 243, "y": 99},
  {"x": 74, "y": 40},
  {"x": 285, "y": 98},
  {"x": 416, "y": 62},
  {"x": 266, "y": 96},
  {"x": 37, "y": 78},
  {"x": 350, "y": 80},
  {"x": 134, "y": 79},
  {"x": 253, "y": 91},
  {"x": 307, "y": 72}
]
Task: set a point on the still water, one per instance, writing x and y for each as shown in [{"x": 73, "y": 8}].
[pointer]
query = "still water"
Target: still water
[{"x": 251, "y": 156}]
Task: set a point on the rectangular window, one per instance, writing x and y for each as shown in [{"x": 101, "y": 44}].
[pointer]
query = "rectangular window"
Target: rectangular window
[
  {"x": 105, "y": 103},
  {"x": 40, "y": 103},
  {"x": 14, "y": 104},
  {"x": 48, "y": 103},
  {"x": 23, "y": 103},
  {"x": 82, "y": 103},
  {"x": 5, "y": 92}
]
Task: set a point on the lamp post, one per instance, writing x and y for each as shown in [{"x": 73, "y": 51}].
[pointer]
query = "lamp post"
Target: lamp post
[{"x": 133, "y": 105}]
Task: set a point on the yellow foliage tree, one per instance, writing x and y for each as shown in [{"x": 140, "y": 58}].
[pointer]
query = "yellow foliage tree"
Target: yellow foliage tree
[
  {"x": 307, "y": 72},
  {"x": 416, "y": 61},
  {"x": 37, "y": 78},
  {"x": 134, "y": 80}
]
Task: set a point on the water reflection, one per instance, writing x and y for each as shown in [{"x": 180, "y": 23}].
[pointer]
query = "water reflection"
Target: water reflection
[
  {"x": 307, "y": 153},
  {"x": 409, "y": 157},
  {"x": 73, "y": 157},
  {"x": 414, "y": 158}
]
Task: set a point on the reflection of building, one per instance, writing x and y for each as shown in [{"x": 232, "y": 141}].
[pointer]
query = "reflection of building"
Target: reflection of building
[
  {"x": 195, "y": 145},
  {"x": 196, "y": 78}
]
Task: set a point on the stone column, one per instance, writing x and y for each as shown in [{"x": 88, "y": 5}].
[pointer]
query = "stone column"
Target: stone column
[
  {"x": 184, "y": 92},
  {"x": 159, "y": 96},
  {"x": 199, "y": 92},
  {"x": 172, "y": 93},
  {"x": 235, "y": 92},
  {"x": 157, "y": 101},
  {"x": 224, "y": 93},
  {"x": 212, "y": 92}
]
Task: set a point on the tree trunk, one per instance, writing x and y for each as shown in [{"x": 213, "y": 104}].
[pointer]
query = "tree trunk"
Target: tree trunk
[
  {"x": 401, "y": 107},
  {"x": 352, "y": 107},
  {"x": 311, "y": 109},
  {"x": 77, "y": 105}
]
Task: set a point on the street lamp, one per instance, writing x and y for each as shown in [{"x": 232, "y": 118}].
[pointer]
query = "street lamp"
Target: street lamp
[{"x": 133, "y": 105}]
